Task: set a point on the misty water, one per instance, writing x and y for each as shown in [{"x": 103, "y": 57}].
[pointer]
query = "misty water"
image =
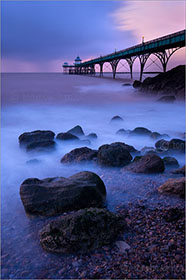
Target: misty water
[{"x": 58, "y": 102}]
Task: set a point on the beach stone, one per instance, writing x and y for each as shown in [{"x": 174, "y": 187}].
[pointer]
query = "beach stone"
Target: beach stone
[
  {"x": 36, "y": 136},
  {"x": 92, "y": 136},
  {"x": 116, "y": 155},
  {"x": 116, "y": 118},
  {"x": 66, "y": 136},
  {"x": 177, "y": 145},
  {"x": 170, "y": 161},
  {"x": 41, "y": 146},
  {"x": 82, "y": 231},
  {"x": 167, "y": 99},
  {"x": 140, "y": 131},
  {"x": 180, "y": 170},
  {"x": 173, "y": 186},
  {"x": 122, "y": 246},
  {"x": 76, "y": 130},
  {"x": 147, "y": 164},
  {"x": 79, "y": 155},
  {"x": 162, "y": 145},
  {"x": 52, "y": 196}
]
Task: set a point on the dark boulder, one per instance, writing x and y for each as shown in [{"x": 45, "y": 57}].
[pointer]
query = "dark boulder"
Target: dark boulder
[
  {"x": 83, "y": 154},
  {"x": 82, "y": 231},
  {"x": 174, "y": 187},
  {"x": 155, "y": 135},
  {"x": 122, "y": 132},
  {"x": 140, "y": 131},
  {"x": 92, "y": 136},
  {"x": 162, "y": 145},
  {"x": 180, "y": 171},
  {"x": 66, "y": 136},
  {"x": 170, "y": 162},
  {"x": 116, "y": 118},
  {"x": 54, "y": 196},
  {"x": 137, "y": 84},
  {"x": 147, "y": 150},
  {"x": 41, "y": 146},
  {"x": 36, "y": 136},
  {"x": 115, "y": 155},
  {"x": 147, "y": 164},
  {"x": 76, "y": 130},
  {"x": 167, "y": 99},
  {"x": 177, "y": 145}
]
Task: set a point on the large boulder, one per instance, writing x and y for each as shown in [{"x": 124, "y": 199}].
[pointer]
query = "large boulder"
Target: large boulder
[
  {"x": 149, "y": 163},
  {"x": 52, "y": 196},
  {"x": 140, "y": 131},
  {"x": 177, "y": 145},
  {"x": 79, "y": 155},
  {"x": 66, "y": 136},
  {"x": 36, "y": 136},
  {"x": 174, "y": 186},
  {"x": 82, "y": 231},
  {"x": 76, "y": 130},
  {"x": 41, "y": 146},
  {"x": 170, "y": 82},
  {"x": 170, "y": 162},
  {"x": 115, "y": 155},
  {"x": 162, "y": 145}
]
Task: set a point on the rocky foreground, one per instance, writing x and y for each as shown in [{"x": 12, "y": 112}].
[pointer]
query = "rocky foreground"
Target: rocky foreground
[{"x": 170, "y": 84}]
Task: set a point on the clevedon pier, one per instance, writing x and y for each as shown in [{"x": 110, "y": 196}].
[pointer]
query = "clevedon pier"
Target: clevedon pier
[{"x": 163, "y": 48}]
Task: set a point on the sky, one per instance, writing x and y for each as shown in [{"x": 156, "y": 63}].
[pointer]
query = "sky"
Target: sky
[{"x": 39, "y": 36}]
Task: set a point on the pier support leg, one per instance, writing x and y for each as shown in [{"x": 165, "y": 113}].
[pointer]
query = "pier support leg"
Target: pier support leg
[
  {"x": 101, "y": 69},
  {"x": 114, "y": 64},
  {"x": 165, "y": 56},
  {"x": 130, "y": 63},
  {"x": 143, "y": 59}
]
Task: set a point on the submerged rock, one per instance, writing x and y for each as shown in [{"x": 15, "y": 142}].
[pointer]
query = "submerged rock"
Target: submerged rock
[
  {"x": 170, "y": 162},
  {"x": 137, "y": 84},
  {"x": 92, "y": 136},
  {"x": 76, "y": 130},
  {"x": 79, "y": 155},
  {"x": 115, "y": 155},
  {"x": 36, "y": 136},
  {"x": 82, "y": 231},
  {"x": 66, "y": 136},
  {"x": 173, "y": 186},
  {"x": 122, "y": 132},
  {"x": 149, "y": 163},
  {"x": 155, "y": 135},
  {"x": 140, "y": 131},
  {"x": 52, "y": 196},
  {"x": 162, "y": 145},
  {"x": 180, "y": 170},
  {"x": 116, "y": 118}
]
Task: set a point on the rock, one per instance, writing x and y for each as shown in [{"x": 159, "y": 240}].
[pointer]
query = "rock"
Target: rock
[
  {"x": 115, "y": 155},
  {"x": 36, "y": 136},
  {"x": 52, "y": 196},
  {"x": 170, "y": 162},
  {"x": 177, "y": 145},
  {"x": 140, "y": 131},
  {"x": 137, "y": 84},
  {"x": 147, "y": 150},
  {"x": 179, "y": 171},
  {"x": 147, "y": 164},
  {"x": 136, "y": 158},
  {"x": 162, "y": 145},
  {"x": 155, "y": 135},
  {"x": 76, "y": 130},
  {"x": 92, "y": 136},
  {"x": 171, "y": 82},
  {"x": 41, "y": 146},
  {"x": 116, "y": 118},
  {"x": 79, "y": 155},
  {"x": 126, "y": 84},
  {"x": 122, "y": 246},
  {"x": 82, "y": 231},
  {"x": 173, "y": 186},
  {"x": 122, "y": 132},
  {"x": 66, "y": 136},
  {"x": 167, "y": 99}
]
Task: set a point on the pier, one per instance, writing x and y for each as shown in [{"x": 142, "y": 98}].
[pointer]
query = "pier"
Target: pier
[{"x": 163, "y": 48}]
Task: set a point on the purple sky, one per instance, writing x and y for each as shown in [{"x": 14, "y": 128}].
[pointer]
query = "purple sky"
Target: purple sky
[{"x": 38, "y": 36}]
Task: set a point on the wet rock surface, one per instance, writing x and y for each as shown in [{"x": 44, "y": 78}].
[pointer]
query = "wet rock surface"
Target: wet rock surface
[
  {"x": 41, "y": 146},
  {"x": 66, "y": 136},
  {"x": 170, "y": 162},
  {"x": 81, "y": 231},
  {"x": 174, "y": 187},
  {"x": 53, "y": 196},
  {"x": 92, "y": 136},
  {"x": 76, "y": 130},
  {"x": 83, "y": 154},
  {"x": 148, "y": 163},
  {"x": 115, "y": 155}
]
